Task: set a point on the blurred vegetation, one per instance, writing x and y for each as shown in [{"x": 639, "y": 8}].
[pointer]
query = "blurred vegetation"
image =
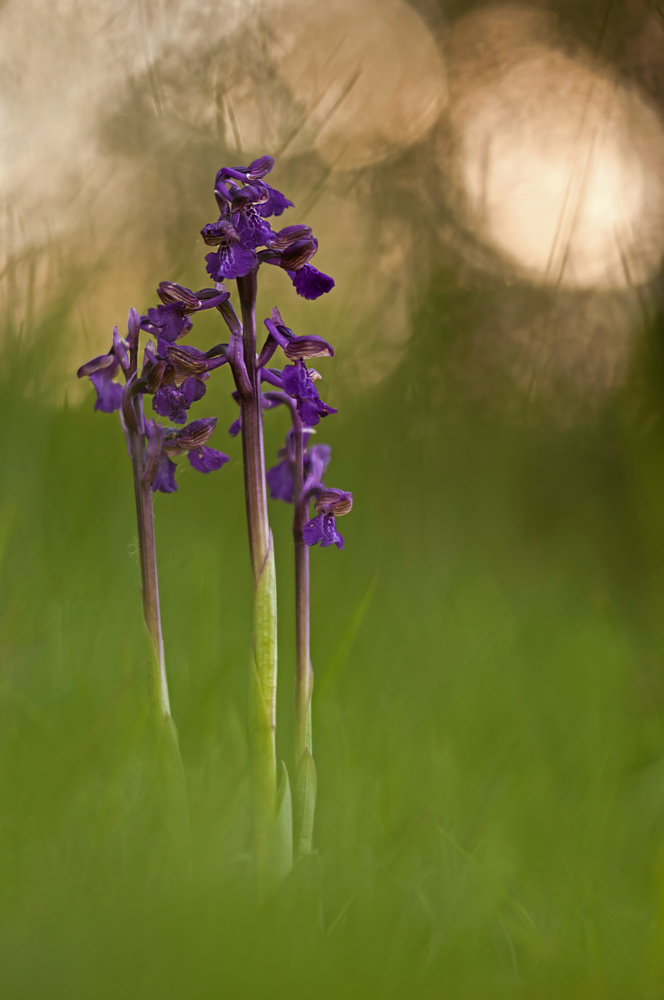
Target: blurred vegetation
[
  {"x": 489, "y": 702},
  {"x": 490, "y": 748}
]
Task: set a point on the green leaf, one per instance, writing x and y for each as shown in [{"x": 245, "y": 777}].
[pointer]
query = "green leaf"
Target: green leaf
[
  {"x": 263, "y": 760},
  {"x": 280, "y": 848},
  {"x": 304, "y": 805},
  {"x": 263, "y": 706}
]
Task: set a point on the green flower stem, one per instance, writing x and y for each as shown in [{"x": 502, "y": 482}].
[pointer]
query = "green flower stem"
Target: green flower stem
[
  {"x": 304, "y": 791},
  {"x": 169, "y": 751},
  {"x": 304, "y": 677},
  {"x": 263, "y": 690}
]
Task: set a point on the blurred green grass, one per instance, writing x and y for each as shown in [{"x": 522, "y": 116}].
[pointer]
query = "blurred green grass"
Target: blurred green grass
[{"x": 490, "y": 752}]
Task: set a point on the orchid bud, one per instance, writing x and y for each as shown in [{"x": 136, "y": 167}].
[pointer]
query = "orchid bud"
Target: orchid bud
[
  {"x": 133, "y": 329},
  {"x": 119, "y": 350}
]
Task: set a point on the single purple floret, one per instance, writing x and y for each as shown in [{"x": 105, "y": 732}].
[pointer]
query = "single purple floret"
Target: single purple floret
[
  {"x": 237, "y": 236},
  {"x": 322, "y": 529},
  {"x": 170, "y": 321},
  {"x": 167, "y": 322},
  {"x": 311, "y": 283},
  {"x": 281, "y": 477},
  {"x": 316, "y": 461},
  {"x": 269, "y": 201},
  {"x": 252, "y": 229},
  {"x": 101, "y": 371},
  {"x": 193, "y": 389},
  {"x": 298, "y": 383},
  {"x": 109, "y": 393},
  {"x": 164, "y": 480},
  {"x": 276, "y": 203},
  {"x": 233, "y": 261},
  {"x": 207, "y": 459},
  {"x": 281, "y": 481},
  {"x": 311, "y": 410},
  {"x": 171, "y": 403}
]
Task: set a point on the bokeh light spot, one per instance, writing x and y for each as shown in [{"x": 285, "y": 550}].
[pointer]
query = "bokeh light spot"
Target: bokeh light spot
[{"x": 561, "y": 167}]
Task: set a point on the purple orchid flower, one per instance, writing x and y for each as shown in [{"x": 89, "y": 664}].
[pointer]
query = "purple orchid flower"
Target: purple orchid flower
[
  {"x": 236, "y": 253},
  {"x": 191, "y": 439},
  {"x": 176, "y": 377},
  {"x": 164, "y": 480},
  {"x": 291, "y": 249},
  {"x": 101, "y": 371},
  {"x": 311, "y": 283},
  {"x": 281, "y": 477},
  {"x": 207, "y": 459},
  {"x": 170, "y": 321},
  {"x": 322, "y": 529},
  {"x": 173, "y": 403},
  {"x": 245, "y": 201},
  {"x": 268, "y": 199},
  {"x": 298, "y": 381},
  {"x": 241, "y": 240},
  {"x": 295, "y": 348},
  {"x": 177, "y": 374},
  {"x": 109, "y": 393}
]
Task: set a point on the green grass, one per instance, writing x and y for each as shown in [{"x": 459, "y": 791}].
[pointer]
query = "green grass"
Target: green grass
[{"x": 489, "y": 737}]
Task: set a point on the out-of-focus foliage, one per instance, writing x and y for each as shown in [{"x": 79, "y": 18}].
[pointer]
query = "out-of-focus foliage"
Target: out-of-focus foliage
[
  {"x": 489, "y": 755},
  {"x": 490, "y": 746}
]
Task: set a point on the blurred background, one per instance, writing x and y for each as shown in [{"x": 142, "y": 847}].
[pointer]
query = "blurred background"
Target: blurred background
[{"x": 486, "y": 181}]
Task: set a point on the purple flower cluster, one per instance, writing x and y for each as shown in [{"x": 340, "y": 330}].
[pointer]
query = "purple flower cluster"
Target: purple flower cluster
[
  {"x": 243, "y": 239},
  {"x": 296, "y": 380},
  {"x": 298, "y": 390},
  {"x": 330, "y": 504},
  {"x": 191, "y": 439},
  {"x": 170, "y": 321},
  {"x": 173, "y": 375}
]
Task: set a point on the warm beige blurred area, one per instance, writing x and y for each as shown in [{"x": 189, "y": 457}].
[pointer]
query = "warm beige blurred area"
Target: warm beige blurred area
[
  {"x": 492, "y": 144},
  {"x": 356, "y": 81},
  {"x": 559, "y": 166},
  {"x": 105, "y": 104}
]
